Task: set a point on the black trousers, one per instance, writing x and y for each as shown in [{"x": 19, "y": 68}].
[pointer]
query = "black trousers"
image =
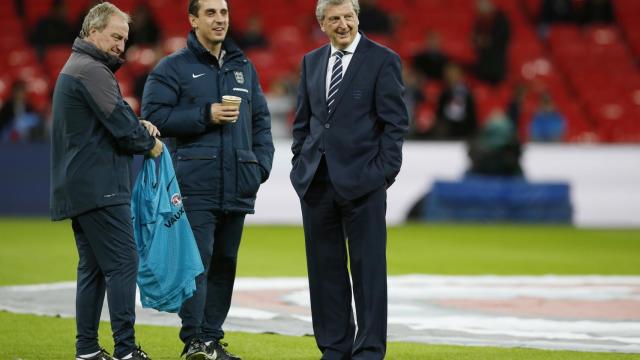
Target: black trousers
[
  {"x": 108, "y": 261},
  {"x": 343, "y": 235},
  {"x": 218, "y": 238}
]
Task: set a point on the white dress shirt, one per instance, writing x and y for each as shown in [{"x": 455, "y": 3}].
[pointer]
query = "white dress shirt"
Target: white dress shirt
[{"x": 346, "y": 59}]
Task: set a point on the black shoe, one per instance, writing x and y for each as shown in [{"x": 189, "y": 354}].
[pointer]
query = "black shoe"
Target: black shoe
[
  {"x": 196, "y": 349},
  {"x": 219, "y": 348},
  {"x": 102, "y": 355},
  {"x": 138, "y": 354}
]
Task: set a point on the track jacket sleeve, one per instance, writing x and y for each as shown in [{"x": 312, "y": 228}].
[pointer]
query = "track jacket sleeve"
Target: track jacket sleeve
[
  {"x": 161, "y": 104},
  {"x": 103, "y": 96}
]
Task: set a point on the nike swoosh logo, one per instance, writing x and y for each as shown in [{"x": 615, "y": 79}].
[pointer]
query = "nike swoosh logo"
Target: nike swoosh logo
[{"x": 196, "y": 76}]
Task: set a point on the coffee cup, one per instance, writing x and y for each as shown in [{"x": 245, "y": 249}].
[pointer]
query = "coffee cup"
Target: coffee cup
[{"x": 231, "y": 100}]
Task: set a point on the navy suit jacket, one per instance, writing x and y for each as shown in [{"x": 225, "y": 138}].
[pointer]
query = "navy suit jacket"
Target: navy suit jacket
[{"x": 362, "y": 139}]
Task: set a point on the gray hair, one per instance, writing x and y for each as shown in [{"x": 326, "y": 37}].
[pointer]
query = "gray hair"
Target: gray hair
[
  {"x": 98, "y": 18},
  {"x": 322, "y": 6}
]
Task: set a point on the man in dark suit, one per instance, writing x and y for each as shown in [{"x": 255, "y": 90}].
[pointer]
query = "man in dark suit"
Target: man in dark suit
[{"x": 347, "y": 150}]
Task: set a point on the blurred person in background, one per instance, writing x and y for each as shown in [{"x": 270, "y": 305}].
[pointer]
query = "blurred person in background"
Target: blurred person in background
[
  {"x": 144, "y": 29},
  {"x": 140, "y": 79},
  {"x": 19, "y": 121},
  {"x": 282, "y": 102},
  {"x": 94, "y": 136},
  {"x": 348, "y": 133},
  {"x": 495, "y": 150},
  {"x": 19, "y": 7},
  {"x": 596, "y": 12},
  {"x": 431, "y": 60},
  {"x": 547, "y": 123},
  {"x": 53, "y": 29},
  {"x": 413, "y": 94},
  {"x": 253, "y": 36},
  {"x": 223, "y": 154},
  {"x": 490, "y": 40},
  {"x": 456, "y": 109},
  {"x": 374, "y": 20},
  {"x": 556, "y": 11},
  {"x": 514, "y": 107}
]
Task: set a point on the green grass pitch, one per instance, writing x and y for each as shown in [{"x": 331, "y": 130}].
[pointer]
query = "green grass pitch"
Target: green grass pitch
[{"x": 38, "y": 251}]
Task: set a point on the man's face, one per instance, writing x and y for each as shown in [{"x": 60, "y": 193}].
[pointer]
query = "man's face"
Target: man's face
[
  {"x": 212, "y": 22},
  {"x": 340, "y": 23},
  {"x": 112, "y": 38}
]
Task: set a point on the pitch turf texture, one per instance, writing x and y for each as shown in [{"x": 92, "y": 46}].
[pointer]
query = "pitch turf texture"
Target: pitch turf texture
[{"x": 38, "y": 251}]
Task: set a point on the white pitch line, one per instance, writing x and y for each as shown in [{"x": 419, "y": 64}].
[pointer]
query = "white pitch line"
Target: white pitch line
[{"x": 422, "y": 308}]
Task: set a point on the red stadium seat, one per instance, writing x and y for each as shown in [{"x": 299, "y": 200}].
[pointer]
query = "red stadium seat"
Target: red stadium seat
[
  {"x": 125, "y": 5},
  {"x": 140, "y": 59},
  {"x": 35, "y": 10},
  {"x": 171, "y": 44},
  {"x": 76, "y": 9},
  {"x": 39, "y": 91},
  {"x": 6, "y": 82},
  {"x": 21, "y": 57},
  {"x": 54, "y": 59},
  {"x": 591, "y": 72}
]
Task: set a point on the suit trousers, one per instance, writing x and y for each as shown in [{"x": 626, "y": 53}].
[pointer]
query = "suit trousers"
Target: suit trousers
[
  {"x": 108, "y": 261},
  {"x": 218, "y": 239},
  {"x": 343, "y": 235}
]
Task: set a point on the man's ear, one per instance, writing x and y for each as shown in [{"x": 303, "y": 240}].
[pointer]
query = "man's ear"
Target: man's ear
[
  {"x": 192, "y": 21},
  {"x": 321, "y": 25}
]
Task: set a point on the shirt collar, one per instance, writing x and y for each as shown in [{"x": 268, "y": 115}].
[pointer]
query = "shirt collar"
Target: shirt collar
[
  {"x": 351, "y": 48},
  {"x": 223, "y": 52}
]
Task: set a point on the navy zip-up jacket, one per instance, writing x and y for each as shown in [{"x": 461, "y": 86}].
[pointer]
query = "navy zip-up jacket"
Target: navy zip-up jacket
[
  {"x": 219, "y": 167},
  {"x": 94, "y": 136}
]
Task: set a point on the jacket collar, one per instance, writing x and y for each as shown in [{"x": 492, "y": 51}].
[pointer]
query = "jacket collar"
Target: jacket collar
[
  {"x": 85, "y": 47},
  {"x": 231, "y": 49}
]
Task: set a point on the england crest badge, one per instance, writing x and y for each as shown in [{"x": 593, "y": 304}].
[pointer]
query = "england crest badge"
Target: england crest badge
[{"x": 239, "y": 77}]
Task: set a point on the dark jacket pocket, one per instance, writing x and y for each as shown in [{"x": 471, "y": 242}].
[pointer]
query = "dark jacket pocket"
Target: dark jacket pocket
[
  {"x": 198, "y": 170},
  {"x": 248, "y": 173}
]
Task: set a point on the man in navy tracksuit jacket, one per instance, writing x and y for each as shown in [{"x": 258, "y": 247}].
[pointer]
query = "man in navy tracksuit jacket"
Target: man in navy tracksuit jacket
[
  {"x": 222, "y": 156},
  {"x": 95, "y": 134}
]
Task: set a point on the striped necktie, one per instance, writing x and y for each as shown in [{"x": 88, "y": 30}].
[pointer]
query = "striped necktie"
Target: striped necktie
[{"x": 334, "y": 84}]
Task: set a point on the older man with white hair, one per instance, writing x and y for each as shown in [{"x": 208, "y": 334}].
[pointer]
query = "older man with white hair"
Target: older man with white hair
[{"x": 95, "y": 134}]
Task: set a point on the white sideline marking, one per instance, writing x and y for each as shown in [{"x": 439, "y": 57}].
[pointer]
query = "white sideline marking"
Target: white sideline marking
[{"x": 424, "y": 308}]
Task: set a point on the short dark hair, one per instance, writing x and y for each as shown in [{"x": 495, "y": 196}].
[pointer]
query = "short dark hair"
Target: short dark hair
[{"x": 194, "y": 7}]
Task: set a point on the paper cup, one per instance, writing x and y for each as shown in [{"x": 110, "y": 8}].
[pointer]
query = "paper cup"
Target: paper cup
[{"x": 230, "y": 100}]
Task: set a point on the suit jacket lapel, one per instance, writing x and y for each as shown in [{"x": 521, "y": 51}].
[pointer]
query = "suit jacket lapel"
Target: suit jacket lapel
[
  {"x": 354, "y": 66},
  {"x": 319, "y": 80}
]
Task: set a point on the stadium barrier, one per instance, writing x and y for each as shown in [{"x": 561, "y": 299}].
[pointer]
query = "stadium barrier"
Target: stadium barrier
[{"x": 604, "y": 180}]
